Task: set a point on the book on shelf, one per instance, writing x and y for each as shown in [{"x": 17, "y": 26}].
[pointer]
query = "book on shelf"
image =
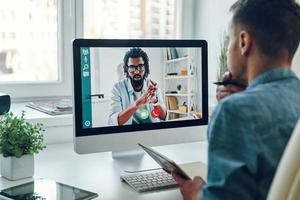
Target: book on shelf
[
  {"x": 174, "y": 53},
  {"x": 171, "y": 53},
  {"x": 172, "y": 103},
  {"x": 52, "y": 107},
  {"x": 166, "y": 54}
]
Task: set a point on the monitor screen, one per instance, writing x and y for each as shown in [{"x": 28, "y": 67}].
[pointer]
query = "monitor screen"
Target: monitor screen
[{"x": 124, "y": 86}]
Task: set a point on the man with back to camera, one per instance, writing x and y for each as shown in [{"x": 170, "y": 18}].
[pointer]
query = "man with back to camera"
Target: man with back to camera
[
  {"x": 249, "y": 130},
  {"x": 134, "y": 98}
]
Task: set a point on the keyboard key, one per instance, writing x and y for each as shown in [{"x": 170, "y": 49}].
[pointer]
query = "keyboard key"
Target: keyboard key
[{"x": 149, "y": 181}]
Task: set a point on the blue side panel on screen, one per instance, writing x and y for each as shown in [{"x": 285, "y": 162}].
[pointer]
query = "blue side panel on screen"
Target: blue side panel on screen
[{"x": 86, "y": 87}]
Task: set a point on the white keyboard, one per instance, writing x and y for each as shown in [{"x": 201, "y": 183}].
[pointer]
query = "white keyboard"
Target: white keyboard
[{"x": 150, "y": 180}]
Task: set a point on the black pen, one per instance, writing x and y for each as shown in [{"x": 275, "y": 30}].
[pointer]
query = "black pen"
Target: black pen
[{"x": 231, "y": 82}]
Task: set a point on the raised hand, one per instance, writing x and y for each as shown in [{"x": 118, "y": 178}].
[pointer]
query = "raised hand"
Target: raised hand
[
  {"x": 226, "y": 90},
  {"x": 149, "y": 95}
]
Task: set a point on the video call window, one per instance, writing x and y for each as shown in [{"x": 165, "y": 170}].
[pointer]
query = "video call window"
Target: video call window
[{"x": 163, "y": 84}]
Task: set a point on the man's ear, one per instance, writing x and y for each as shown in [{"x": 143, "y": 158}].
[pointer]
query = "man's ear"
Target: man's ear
[{"x": 245, "y": 42}]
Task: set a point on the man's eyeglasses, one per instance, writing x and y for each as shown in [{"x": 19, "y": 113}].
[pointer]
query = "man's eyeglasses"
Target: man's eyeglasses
[{"x": 132, "y": 68}]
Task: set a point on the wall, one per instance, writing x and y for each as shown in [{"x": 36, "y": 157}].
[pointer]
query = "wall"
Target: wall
[
  {"x": 296, "y": 62},
  {"x": 211, "y": 19}
]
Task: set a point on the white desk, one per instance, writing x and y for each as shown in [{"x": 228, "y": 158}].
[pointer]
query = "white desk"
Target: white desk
[{"x": 99, "y": 173}]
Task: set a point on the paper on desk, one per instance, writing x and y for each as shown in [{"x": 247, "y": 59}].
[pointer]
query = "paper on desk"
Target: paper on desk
[{"x": 195, "y": 169}]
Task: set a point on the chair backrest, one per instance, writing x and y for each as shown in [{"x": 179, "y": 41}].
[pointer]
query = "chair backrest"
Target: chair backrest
[{"x": 286, "y": 182}]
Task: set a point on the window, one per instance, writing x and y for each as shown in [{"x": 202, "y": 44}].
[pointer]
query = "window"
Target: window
[
  {"x": 130, "y": 19},
  {"x": 35, "y": 48},
  {"x": 29, "y": 48},
  {"x": 36, "y": 37}
]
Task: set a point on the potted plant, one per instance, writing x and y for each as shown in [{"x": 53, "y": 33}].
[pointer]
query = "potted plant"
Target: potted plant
[
  {"x": 19, "y": 140},
  {"x": 222, "y": 58},
  {"x": 179, "y": 88}
]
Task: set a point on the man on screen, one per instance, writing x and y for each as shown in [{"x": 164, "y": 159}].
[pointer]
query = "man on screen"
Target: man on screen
[{"x": 136, "y": 99}]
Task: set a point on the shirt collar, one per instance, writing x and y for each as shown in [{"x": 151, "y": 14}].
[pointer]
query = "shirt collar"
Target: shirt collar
[
  {"x": 278, "y": 73},
  {"x": 130, "y": 88}
]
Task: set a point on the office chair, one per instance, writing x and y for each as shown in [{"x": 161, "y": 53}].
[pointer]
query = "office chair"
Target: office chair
[{"x": 286, "y": 182}]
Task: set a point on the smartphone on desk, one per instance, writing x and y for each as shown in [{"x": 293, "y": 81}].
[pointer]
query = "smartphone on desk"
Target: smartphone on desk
[
  {"x": 45, "y": 189},
  {"x": 167, "y": 164}
]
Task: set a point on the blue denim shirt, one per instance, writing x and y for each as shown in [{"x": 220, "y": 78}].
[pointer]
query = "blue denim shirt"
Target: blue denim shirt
[
  {"x": 247, "y": 135},
  {"x": 123, "y": 96}
]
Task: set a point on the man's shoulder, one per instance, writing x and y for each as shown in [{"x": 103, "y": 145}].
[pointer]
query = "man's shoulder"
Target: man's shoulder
[
  {"x": 121, "y": 83},
  {"x": 250, "y": 96},
  {"x": 241, "y": 103},
  {"x": 265, "y": 95},
  {"x": 238, "y": 99}
]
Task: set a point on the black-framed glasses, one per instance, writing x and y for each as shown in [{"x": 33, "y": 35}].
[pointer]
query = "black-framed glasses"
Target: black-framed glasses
[{"x": 132, "y": 68}]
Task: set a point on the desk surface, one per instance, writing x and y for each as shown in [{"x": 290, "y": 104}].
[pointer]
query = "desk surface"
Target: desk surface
[{"x": 99, "y": 173}]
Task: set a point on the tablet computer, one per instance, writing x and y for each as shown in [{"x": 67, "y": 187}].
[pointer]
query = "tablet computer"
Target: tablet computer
[
  {"x": 45, "y": 189},
  {"x": 167, "y": 164}
]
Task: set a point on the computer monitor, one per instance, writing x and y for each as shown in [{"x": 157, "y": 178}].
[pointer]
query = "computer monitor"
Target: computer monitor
[{"x": 153, "y": 92}]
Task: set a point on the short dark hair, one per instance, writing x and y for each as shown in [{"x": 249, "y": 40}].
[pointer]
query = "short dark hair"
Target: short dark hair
[
  {"x": 275, "y": 24},
  {"x": 136, "y": 52}
]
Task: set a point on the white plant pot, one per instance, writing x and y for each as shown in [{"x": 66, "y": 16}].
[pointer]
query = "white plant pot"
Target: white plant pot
[{"x": 14, "y": 168}]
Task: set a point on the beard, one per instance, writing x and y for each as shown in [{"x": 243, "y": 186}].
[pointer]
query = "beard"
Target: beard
[{"x": 137, "y": 82}]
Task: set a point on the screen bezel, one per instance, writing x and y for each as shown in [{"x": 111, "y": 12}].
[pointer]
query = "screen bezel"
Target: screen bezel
[{"x": 77, "y": 91}]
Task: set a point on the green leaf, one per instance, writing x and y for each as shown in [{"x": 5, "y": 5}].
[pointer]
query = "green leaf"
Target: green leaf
[
  {"x": 18, "y": 137},
  {"x": 222, "y": 57}
]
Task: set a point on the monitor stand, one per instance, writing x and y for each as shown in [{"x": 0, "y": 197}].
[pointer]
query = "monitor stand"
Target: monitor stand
[{"x": 134, "y": 161}]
